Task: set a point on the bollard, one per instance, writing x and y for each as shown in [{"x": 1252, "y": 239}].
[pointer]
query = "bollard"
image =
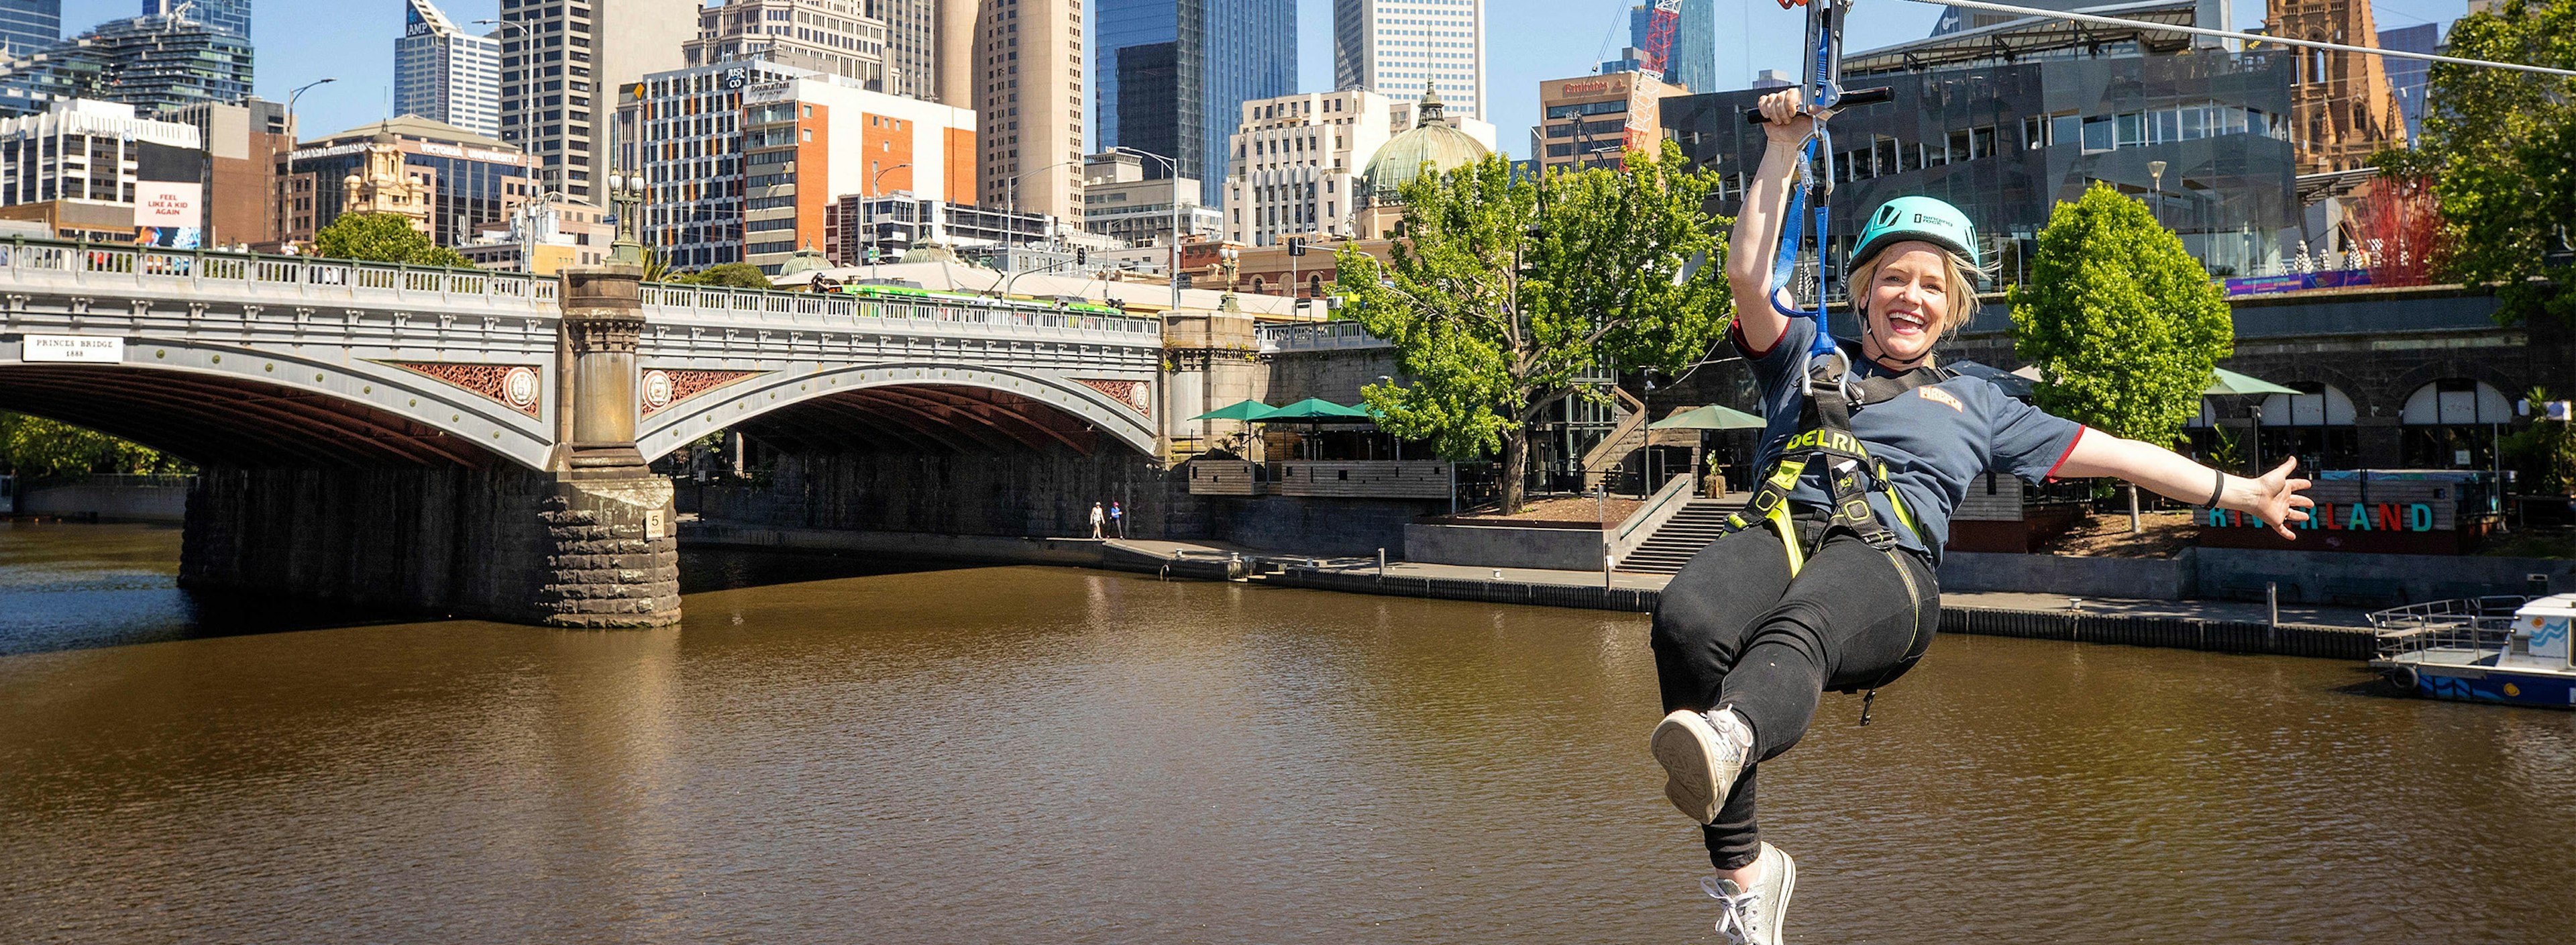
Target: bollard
[
  {"x": 1609, "y": 567},
  {"x": 2272, "y": 630},
  {"x": 1381, "y": 564}
]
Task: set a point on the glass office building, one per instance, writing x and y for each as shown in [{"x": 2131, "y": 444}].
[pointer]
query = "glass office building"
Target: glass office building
[
  {"x": 1171, "y": 76},
  {"x": 232, "y": 17},
  {"x": 1692, "y": 60},
  {"x": 29, "y": 25},
  {"x": 2009, "y": 120},
  {"x": 149, "y": 62}
]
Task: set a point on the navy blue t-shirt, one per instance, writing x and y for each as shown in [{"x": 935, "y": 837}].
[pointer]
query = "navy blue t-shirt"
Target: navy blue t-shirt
[{"x": 1936, "y": 439}]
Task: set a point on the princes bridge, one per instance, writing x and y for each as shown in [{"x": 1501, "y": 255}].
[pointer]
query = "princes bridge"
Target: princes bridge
[{"x": 476, "y": 442}]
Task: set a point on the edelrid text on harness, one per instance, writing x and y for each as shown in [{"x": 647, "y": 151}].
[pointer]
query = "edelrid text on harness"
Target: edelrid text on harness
[{"x": 1825, "y": 434}]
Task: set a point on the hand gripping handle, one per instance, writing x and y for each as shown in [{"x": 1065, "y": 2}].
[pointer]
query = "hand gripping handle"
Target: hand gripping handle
[{"x": 1880, "y": 95}]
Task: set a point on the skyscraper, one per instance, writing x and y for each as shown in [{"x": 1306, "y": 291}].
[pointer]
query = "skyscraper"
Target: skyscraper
[
  {"x": 1172, "y": 76},
  {"x": 446, "y": 74},
  {"x": 561, "y": 67},
  {"x": 1693, "y": 59},
  {"x": 1392, "y": 47},
  {"x": 837, "y": 37},
  {"x": 29, "y": 25},
  {"x": 228, "y": 16},
  {"x": 1018, "y": 64},
  {"x": 911, "y": 47},
  {"x": 149, "y": 62}
]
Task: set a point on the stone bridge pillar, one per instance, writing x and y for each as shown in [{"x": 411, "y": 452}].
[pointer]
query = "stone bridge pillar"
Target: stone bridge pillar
[{"x": 611, "y": 558}]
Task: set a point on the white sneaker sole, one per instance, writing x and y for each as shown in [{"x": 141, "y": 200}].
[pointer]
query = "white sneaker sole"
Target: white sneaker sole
[{"x": 1682, "y": 743}]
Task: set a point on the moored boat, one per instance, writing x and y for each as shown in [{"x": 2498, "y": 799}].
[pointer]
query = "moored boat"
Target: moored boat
[{"x": 2483, "y": 649}]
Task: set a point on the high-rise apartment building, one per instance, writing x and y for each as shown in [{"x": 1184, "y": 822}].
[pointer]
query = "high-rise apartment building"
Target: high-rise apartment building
[
  {"x": 230, "y": 16},
  {"x": 838, "y": 37},
  {"x": 1018, "y": 65},
  {"x": 1295, "y": 162},
  {"x": 149, "y": 62},
  {"x": 29, "y": 25},
  {"x": 446, "y": 74},
  {"x": 911, "y": 47},
  {"x": 79, "y": 166},
  {"x": 2342, "y": 107},
  {"x": 1171, "y": 76},
  {"x": 742, "y": 161},
  {"x": 1392, "y": 47},
  {"x": 562, "y": 65}
]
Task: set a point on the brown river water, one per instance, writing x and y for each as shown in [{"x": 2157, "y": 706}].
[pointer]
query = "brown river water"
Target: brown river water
[{"x": 842, "y": 750}]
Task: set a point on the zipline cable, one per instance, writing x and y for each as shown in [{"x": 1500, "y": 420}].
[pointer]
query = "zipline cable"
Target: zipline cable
[{"x": 2231, "y": 34}]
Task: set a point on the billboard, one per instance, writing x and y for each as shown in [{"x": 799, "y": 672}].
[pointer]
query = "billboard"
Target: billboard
[{"x": 162, "y": 203}]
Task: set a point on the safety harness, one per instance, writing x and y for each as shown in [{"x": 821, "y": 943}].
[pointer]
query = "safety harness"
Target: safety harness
[{"x": 1826, "y": 436}]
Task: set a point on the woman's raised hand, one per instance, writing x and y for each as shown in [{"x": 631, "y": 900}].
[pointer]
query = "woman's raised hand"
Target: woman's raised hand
[
  {"x": 2275, "y": 498},
  {"x": 1787, "y": 121}
]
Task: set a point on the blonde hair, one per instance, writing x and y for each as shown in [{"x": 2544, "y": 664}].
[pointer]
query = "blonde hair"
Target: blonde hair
[{"x": 1959, "y": 289}]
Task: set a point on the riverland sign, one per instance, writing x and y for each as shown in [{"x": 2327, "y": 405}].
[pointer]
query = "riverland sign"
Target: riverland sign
[{"x": 2435, "y": 511}]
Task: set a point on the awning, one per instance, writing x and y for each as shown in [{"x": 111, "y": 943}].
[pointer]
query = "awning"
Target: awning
[{"x": 1711, "y": 417}]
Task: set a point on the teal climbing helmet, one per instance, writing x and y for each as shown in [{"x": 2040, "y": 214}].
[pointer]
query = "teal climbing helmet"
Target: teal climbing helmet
[{"x": 1928, "y": 219}]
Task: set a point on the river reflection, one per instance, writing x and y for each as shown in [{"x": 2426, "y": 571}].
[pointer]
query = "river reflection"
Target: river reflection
[{"x": 835, "y": 750}]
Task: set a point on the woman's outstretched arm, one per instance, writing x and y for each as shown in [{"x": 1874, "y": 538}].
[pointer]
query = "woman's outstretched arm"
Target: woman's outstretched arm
[
  {"x": 1756, "y": 242},
  {"x": 2274, "y": 498}
]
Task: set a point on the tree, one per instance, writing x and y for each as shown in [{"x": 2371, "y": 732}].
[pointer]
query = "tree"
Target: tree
[
  {"x": 738, "y": 275},
  {"x": 34, "y": 446},
  {"x": 1503, "y": 292},
  {"x": 2123, "y": 324},
  {"x": 2547, "y": 448},
  {"x": 383, "y": 237},
  {"x": 2500, "y": 146}
]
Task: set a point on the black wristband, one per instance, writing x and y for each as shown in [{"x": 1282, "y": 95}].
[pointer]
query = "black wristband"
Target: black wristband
[{"x": 2217, "y": 490}]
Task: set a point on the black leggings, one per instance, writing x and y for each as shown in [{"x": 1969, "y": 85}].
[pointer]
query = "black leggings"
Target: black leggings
[{"x": 1734, "y": 629}]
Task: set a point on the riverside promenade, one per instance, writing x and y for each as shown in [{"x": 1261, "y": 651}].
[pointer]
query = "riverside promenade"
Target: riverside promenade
[{"x": 2223, "y": 626}]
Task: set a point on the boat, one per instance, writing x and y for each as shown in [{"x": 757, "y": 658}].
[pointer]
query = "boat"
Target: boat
[{"x": 2507, "y": 649}]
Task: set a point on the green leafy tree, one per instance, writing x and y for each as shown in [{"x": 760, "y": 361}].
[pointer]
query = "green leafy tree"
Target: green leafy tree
[
  {"x": 2547, "y": 449},
  {"x": 737, "y": 275},
  {"x": 383, "y": 237},
  {"x": 1503, "y": 292},
  {"x": 2123, "y": 324},
  {"x": 36, "y": 447},
  {"x": 2500, "y": 146}
]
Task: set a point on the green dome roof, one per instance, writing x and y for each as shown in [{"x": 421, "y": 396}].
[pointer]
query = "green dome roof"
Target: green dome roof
[{"x": 1431, "y": 141}]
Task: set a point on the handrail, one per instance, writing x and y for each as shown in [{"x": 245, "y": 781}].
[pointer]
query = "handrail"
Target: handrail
[
  {"x": 1631, "y": 425},
  {"x": 1643, "y": 523},
  {"x": 725, "y": 302},
  {"x": 199, "y": 267}
]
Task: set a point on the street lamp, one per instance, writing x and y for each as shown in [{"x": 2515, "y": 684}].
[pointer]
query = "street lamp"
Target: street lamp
[
  {"x": 868, "y": 212},
  {"x": 626, "y": 195},
  {"x": 288, "y": 204},
  {"x": 1175, "y": 168},
  {"x": 2156, "y": 171}
]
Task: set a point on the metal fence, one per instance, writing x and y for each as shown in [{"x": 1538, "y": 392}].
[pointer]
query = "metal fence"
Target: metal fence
[{"x": 205, "y": 269}]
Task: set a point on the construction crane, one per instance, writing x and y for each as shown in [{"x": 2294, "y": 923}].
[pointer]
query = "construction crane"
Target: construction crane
[{"x": 1644, "y": 90}]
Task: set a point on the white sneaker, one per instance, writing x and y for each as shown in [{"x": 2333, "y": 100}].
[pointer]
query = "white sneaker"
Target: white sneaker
[
  {"x": 1755, "y": 916},
  {"x": 1701, "y": 752}
]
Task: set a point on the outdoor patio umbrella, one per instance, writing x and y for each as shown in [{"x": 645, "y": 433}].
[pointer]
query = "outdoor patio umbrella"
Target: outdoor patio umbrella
[
  {"x": 1315, "y": 410},
  {"x": 2223, "y": 382},
  {"x": 2013, "y": 384},
  {"x": 1239, "y": 410},
  {"x": 1711, "y": 417}
]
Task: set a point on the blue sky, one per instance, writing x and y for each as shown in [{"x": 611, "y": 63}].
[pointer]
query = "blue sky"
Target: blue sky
[{"x": 1527, "y": 41}]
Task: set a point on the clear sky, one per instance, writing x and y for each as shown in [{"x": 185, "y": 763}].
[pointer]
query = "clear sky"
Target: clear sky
[{"x": 1526, "y": 42}]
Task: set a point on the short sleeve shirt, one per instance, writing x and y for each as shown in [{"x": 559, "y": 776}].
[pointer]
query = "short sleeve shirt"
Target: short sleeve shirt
[{"x": 1935, "y": 439}]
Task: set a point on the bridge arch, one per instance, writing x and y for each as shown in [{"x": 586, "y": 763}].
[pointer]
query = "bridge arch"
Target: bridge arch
[
  {"x": 251, "y": 406},
  {"x": 932, "y": 406}
]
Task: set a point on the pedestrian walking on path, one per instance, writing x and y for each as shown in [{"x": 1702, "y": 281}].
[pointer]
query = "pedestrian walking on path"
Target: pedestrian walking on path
[
  {"x": 1827, "y": 579},
  {"x": 1118, "y": 519},
  {"x": 1095, "y": 520}
]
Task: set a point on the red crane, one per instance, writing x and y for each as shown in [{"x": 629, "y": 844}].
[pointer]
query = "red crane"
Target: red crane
[{"x": 1644, "y": 90}]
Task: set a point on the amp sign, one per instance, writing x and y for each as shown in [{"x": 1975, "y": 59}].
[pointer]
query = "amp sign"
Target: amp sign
[{"x": 76, "y": 349}]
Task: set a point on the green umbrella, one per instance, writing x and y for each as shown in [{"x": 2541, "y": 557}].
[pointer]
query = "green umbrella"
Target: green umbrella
[
  {"x": 2223, "y": 382},
  {"x": 1711, "y": 417},
  {"x": 1315, "y": 410},
  {"x": 1240, "y": 410}
]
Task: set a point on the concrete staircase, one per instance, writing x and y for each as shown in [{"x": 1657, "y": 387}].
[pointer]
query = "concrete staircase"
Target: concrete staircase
[{"x": 1680, "y": 537}]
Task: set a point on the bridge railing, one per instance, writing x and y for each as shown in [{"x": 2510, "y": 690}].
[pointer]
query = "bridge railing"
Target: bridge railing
[
  {"x": 209, "y": 269},
  {"x": 716, "y": 302}
]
